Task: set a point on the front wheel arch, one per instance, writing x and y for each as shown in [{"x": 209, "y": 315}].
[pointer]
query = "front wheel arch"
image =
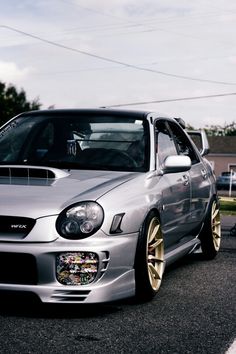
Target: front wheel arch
[{"x": 149, "y": 258}]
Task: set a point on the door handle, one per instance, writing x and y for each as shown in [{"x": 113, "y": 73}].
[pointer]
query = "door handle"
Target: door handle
[
  {"x": 185, "y": 179},
  {"x": 204, "y": 173}
]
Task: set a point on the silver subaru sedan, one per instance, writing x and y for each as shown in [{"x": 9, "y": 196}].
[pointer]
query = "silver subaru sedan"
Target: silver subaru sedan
[{"x": 96, "y": 202}]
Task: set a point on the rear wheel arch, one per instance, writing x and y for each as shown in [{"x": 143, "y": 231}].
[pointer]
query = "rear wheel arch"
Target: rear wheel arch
[{"x": 210, "y": 235}]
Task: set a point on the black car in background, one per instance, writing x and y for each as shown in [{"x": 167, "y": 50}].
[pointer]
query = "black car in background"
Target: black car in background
[{"x": 224, "y": 180}]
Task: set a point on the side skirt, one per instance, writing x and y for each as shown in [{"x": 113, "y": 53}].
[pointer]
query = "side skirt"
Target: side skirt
[{"x": 189, "y": 247}]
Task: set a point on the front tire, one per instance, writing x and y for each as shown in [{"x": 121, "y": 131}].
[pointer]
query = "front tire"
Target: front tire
[
  {"x": 149, "y": 260},
  {"x": 210, "y": 236}
]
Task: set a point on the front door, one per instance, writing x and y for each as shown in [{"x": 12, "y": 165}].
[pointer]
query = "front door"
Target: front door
[{"x": 175, "y": 189}]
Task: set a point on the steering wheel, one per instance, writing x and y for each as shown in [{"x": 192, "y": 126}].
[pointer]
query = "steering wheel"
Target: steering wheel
[{"x": 123, "y": 158}]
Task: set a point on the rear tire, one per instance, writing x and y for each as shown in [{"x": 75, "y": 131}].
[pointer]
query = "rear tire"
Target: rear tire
[
  {"x": 149, "y": 260},
  {"x": 210, "y": 235}
]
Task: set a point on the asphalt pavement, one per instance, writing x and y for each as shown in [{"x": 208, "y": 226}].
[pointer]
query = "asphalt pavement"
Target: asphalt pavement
[
  {"x": 227, "y": 222},
  {"x": 193, "y": 313}
]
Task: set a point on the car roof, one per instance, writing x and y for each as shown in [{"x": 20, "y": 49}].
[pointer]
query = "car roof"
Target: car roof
[
  {"x": 90, "y": 111},
  {"x": 137, "y": 114}
]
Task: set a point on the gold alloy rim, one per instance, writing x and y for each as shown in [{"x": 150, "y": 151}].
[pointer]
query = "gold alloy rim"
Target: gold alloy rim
[
  {"x": 155, "y": 253},
  {"x": 216, "y": 225}
]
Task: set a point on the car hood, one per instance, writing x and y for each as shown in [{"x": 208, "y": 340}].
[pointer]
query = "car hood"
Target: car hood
[{"x": 38, "y": 197}]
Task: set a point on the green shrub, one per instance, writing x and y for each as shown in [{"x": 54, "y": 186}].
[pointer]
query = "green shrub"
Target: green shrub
[{"x": 228, "y": 206}]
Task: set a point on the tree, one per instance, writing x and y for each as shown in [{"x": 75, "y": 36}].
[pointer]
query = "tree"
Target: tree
[
  {"x": 217, "y": 130},
  {"x": 13, "y": 102}
]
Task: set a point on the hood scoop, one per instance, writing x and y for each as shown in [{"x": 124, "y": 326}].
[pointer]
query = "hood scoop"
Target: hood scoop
[{"x": 11, "y": 173}]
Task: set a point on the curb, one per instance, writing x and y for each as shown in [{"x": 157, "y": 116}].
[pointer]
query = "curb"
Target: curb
[{"x": 227, "y": 222}]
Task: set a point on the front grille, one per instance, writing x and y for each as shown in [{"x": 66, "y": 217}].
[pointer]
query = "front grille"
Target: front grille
[
  {"x": 15, "y": 226},
  {"x": 18, "y": 268}
]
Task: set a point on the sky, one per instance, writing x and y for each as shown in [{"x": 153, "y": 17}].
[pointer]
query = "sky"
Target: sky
[{"x": 152, "y": 55}]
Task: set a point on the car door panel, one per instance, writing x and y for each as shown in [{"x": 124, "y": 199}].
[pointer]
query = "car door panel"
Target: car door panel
[
  {"x": 199, "y": 182},
  {"x": 176, "y": 207},
  {"x": 200, "y": 191},
  {"x": 175, "y": 189}
]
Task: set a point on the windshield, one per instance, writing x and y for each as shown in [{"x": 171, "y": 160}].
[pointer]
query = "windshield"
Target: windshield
[{"x": 75, "y": 141}]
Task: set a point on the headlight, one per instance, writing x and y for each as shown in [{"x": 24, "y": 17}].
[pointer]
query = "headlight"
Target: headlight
[{"x": 80, "y": 220}]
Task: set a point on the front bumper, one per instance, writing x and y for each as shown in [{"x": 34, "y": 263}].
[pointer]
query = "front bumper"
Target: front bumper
[{"x": 114, "y": 279}]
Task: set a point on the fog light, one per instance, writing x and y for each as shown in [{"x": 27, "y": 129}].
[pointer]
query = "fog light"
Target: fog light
[{"x": 76, "y": 268}]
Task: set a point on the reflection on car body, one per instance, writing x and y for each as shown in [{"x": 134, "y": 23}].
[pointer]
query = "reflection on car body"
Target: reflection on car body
[{"x": 95, "y": 203}]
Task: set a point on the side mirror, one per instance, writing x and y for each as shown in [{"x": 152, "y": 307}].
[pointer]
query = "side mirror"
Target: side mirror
[{"x": 176, "y": 163}]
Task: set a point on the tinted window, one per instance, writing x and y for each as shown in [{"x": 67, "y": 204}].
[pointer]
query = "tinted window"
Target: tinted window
[
  {"x": 183, "y": 145},
  {"x": 77, "y": 141},
  {"x": 165, "y": 142}
]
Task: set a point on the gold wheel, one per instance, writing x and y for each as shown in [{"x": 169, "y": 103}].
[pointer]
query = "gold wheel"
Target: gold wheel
[
  {"x": 155, "y": 253},
  {"x": 210, "y": 235},
  {"x": 216, "y": 226}
]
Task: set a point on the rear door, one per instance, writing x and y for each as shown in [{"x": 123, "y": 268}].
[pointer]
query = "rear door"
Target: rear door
[{"x": 198, "y": 179}]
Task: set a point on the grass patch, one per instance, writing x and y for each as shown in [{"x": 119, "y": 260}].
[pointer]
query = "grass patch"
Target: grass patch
[{"x": 228, "y": 205}]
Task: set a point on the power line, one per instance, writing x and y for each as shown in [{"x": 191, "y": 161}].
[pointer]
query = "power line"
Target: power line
[
  {"x": 172, "y": 100},
  {"x": 114, "y": 61},
  {"x": 148, "y": 21},
  {"x": 101, "y": 13},
  {"x": 150, "y": 27}
]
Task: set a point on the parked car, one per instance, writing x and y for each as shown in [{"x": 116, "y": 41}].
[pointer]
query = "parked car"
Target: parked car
[
  {"x": 225, "y": 179},
  {"x": 95, "y": 203}
]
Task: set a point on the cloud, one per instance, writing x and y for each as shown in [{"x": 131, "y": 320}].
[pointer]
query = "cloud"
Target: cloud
[
  {"x": 232, "y": 59},
  {"x": 189, "y": 39},
  {"x": 10, "y": 72},
  {"x": 131, "y": 8}
]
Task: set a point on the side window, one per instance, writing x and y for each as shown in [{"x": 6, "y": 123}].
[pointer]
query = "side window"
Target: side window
[
  {"x": 184, "y": 147},
  {"x": 164, "y": 141}
]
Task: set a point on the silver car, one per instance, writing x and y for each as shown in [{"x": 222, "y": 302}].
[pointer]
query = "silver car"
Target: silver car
[{"x": 96, "y": 202}]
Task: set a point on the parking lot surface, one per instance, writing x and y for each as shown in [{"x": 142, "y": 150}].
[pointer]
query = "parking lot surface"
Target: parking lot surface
[{"x": 194, "y": 312}]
